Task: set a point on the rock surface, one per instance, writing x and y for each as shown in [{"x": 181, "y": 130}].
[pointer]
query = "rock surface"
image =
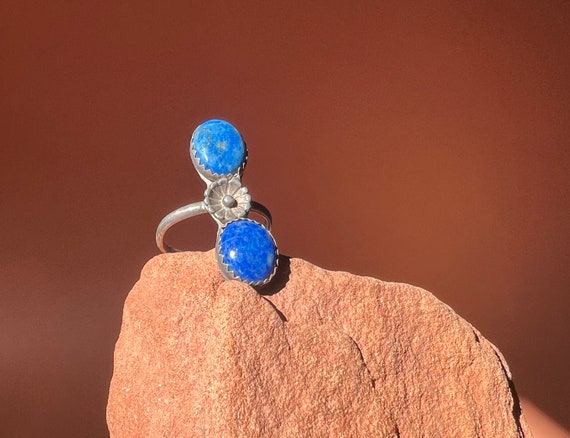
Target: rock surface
[{"x": 321, "y": 354}]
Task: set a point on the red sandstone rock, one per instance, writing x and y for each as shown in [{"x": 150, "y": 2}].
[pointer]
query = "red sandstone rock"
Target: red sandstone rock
[{"x": 330, "y": 354}]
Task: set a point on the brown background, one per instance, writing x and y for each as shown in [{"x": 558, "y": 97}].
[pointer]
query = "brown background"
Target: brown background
[{"x": 426, "y": 144}]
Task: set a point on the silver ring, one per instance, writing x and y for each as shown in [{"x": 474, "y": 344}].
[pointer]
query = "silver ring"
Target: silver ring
[{"x": 245, "y": 249}]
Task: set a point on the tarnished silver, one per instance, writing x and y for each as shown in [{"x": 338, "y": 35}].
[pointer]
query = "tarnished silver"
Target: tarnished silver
[{"x": 227, "y": 200}]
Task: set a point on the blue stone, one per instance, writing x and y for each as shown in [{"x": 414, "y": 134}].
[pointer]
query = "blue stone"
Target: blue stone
[
  {"x": 218, "y": 146},
  {"x": 248, "y": 249}
]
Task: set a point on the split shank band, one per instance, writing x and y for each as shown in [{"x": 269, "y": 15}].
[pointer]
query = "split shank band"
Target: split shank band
[{"x": 195, "y": 209}]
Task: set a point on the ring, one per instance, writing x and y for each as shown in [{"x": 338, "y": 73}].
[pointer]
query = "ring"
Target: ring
[{"x": 245, "y": 249}]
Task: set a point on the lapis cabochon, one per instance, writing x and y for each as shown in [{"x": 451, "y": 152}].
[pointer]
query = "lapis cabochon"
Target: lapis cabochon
[
  {"x": 248, "y": 250},
  {"x": 218, "y": 147}
]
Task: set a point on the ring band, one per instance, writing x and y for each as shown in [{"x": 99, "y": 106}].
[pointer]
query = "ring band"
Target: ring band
[
  {"x": 245, "y": 249},
  {"x": 195, "y": 209}
]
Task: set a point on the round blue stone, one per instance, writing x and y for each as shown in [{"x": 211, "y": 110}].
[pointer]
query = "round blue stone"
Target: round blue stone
[
  {"x": 218, "y": 146},
  {"x": 248, "y": 249}
]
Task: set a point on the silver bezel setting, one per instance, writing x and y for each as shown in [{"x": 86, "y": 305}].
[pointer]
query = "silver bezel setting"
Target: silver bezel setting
[
  {"x": 228, "y": 274},
  {"x": 209, "y": 176}
]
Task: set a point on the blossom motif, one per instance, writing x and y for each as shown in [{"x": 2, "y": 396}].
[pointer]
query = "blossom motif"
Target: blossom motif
[{"x": 227, "y": 200}]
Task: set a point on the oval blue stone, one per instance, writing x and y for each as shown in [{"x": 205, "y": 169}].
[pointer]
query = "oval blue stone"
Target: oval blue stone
[
  {"x": 218, "y": 146},
  {"x": 248, "y": 249}
]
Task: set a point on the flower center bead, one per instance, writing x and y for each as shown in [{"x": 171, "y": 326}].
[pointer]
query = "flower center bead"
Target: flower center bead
[{"x": 229, "y": 202}]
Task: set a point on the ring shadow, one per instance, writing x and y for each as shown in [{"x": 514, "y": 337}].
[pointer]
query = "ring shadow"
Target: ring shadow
[{"x": 278, "y": 283}]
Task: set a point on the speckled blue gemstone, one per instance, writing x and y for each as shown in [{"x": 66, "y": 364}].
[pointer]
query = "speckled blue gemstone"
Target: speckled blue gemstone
[
  {"x": 218, "y": 146},
  {"x": 248, "y": 249}
]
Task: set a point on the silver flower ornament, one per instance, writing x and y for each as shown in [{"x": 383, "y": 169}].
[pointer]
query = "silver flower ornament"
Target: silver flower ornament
[{"x": 227, "y": 200}]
